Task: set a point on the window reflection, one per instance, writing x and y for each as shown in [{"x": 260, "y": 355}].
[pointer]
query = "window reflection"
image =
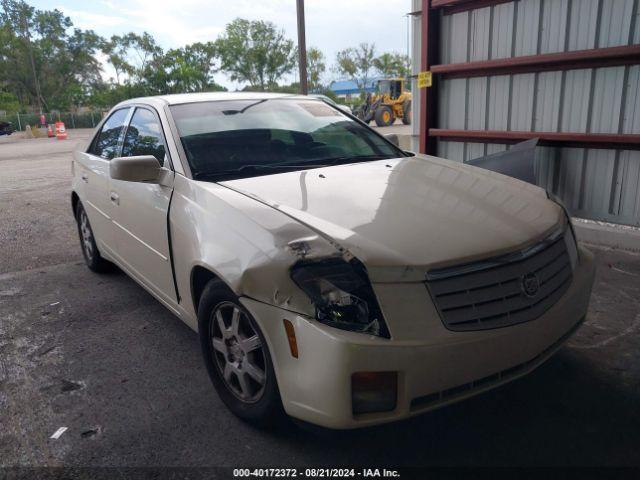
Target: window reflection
[
  {"x": 143, "y": 136},
  {"x": 106, "y": 143}
]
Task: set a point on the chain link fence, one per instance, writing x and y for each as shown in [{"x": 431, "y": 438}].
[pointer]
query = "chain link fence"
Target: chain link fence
[{"x": 71, "y": 120}]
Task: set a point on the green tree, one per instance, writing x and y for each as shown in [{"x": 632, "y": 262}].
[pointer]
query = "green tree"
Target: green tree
[
  {"x": 116, "y": 51},
  {"x": 392, "y": 64},
  {"x": 188, "y": 69},
  {"x": 145, "y": 69},
  {"x": 132, "y": 56},
  {"x": 316, "y": 67},
  {"x": 255, "y": 52},
  {"x": 107, "y": 95},
  {"x": 9, "y": 102},
  {"x": 357, "y": 63},
  {"x": 143, "y": 51},
  {"x": 43, "y": 61},
  {"x": 275, "y": 88}
]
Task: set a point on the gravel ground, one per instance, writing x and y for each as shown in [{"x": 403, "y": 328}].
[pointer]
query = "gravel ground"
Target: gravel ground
[
  {"x": 35, "y": 209},
  {"x": 100, "y": 356},
  {"x": 398, "y": 127}
]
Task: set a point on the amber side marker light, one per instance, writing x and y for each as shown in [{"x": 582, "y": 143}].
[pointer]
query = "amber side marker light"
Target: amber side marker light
[
  {"x": 374, "y": 392},
  {"x": 291, "y": 336}
]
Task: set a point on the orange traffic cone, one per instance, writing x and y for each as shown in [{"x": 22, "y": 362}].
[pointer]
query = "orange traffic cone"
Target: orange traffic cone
[
  {"x": 61, "y": 132},
  {"x": 50, "y": 133}
]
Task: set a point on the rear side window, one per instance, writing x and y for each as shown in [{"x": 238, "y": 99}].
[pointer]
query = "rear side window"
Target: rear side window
[
  {"x": 105, "y": 144},
  {"x": 144, "y": 136}
]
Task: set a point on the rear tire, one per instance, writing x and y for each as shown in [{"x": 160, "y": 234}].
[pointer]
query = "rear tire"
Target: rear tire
[
  {"x": 384, "y": 116},
  {"x": 90, "y": 251},
  {"x": 406, "y": 112},
  {"x": 237, "y": 357}
]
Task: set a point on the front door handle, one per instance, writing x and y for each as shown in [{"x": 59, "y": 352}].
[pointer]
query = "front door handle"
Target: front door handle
[
  {"x": 115, "y": 198},
  {"x": 85, "y": 178}
]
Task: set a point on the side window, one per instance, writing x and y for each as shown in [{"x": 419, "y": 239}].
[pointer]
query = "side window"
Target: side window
[
  {"x": 105, "y": 144},
  {"x": 144, "y": 136}
]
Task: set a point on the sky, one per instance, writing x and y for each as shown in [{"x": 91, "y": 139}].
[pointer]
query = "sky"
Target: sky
[{"x": 331, "y": 25}]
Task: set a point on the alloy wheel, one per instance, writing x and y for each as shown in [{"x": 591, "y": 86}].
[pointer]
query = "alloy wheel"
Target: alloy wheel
[
  {"x": 87, "y": 238},
  {"x": 238, "y": 352}
]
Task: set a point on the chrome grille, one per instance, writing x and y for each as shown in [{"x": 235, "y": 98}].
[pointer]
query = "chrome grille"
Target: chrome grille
[{"x": 491, "y": 293}]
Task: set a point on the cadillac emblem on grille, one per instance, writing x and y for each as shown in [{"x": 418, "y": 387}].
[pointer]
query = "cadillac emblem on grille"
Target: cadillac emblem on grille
[{"x": 530, "y": 284}]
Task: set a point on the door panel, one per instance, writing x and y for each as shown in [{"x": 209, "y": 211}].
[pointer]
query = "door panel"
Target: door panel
[
  {"x": 94, "y": 173},
  {"x": 141, "y": 232},
  {"x": 140, "y": 211}
]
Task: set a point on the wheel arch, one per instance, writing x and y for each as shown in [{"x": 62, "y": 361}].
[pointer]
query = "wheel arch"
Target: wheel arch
[
  {"x": 200, "y": 276},
  {"x": 75, "y": 200}
]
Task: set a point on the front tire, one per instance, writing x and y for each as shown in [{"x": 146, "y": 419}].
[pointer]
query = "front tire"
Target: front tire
[
  {"x": 406, "y": 112},
  {"x": 384, "y": 116},
  {"x": 237, "y": 357},
  {"x": 90, "y": 251}
]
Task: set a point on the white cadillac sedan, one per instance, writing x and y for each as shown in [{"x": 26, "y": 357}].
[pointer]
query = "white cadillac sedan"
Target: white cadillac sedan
[{"x": 330, "y": 275}]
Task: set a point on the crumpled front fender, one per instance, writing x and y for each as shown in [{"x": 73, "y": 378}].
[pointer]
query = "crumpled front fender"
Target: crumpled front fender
[{"x": 247, "y": 244}]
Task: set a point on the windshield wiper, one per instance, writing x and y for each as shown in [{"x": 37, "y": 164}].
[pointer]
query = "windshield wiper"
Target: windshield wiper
[
  {"x": 323, "y": 162},
  {"x": 235, "y": 112},
  {"x": 257, "y": 168}
]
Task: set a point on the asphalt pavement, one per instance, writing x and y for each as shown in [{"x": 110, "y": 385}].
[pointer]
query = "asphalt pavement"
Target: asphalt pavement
[{"x": 98, "y": 355}]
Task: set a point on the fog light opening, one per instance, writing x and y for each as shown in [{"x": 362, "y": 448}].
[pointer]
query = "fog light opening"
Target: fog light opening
[
  {"x": 374, "y": 392},
  {"x": 291, "y": 337}
]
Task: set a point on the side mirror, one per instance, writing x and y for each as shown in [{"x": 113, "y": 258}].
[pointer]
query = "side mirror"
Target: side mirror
[
  {"x": 393, "y": 138},
  {"x": 144, "y": 168}
]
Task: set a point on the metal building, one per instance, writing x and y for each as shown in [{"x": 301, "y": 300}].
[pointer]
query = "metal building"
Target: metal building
[{"x": 565, "y": 71}]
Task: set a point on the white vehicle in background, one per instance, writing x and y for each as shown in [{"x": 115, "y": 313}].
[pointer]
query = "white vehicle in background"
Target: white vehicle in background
[{"x": 330, "y": 275}]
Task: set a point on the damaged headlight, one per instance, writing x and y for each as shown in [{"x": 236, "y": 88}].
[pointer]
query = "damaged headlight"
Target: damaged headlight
[
  {"x": 570, "y": 235},
  {"x": 342, "y": 295}
]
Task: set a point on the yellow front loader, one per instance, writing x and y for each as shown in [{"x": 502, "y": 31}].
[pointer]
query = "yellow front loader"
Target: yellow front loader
[{"x": 390, "y": 101}]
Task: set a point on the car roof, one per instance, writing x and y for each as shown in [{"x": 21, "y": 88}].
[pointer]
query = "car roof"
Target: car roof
[{"x": 176, "y": 99}]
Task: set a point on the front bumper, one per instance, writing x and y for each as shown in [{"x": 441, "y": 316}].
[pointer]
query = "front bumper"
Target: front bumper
[{"x": 435, "y": 366}]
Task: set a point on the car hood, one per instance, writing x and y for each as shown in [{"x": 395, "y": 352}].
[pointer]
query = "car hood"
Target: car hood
[{"x": 410, "y": 214}]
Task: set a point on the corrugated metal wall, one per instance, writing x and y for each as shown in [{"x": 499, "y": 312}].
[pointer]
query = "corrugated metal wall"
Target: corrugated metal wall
[{"x": 597, "y": 184}]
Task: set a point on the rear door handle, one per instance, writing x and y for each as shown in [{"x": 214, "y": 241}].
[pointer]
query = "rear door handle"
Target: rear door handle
[
  {"x": 115, "y": 198},
  {"x": 85, "y": 177}
]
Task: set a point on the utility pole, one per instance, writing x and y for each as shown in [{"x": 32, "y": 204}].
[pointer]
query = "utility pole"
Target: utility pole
[{"x": 302, "y": 49}]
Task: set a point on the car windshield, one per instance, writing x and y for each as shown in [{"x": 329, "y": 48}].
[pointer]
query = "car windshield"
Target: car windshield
[{"x": 244, "y": 138}]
